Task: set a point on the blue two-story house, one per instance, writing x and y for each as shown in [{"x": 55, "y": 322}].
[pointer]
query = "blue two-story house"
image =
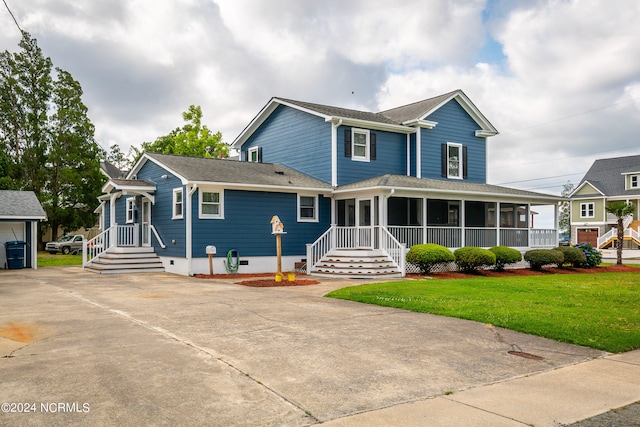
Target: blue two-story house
[{"x": 354, "y": 190}]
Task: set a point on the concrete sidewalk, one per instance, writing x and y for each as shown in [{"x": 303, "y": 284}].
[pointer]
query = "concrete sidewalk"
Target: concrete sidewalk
[
  {"x": 169, "y": 350},
  {"x": 551, "y": 398}
]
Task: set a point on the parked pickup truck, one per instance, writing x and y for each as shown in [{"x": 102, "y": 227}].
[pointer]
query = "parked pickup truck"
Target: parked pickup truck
[{"x": 66, "y": 245}]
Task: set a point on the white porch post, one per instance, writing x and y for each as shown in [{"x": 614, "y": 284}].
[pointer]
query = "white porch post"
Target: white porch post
[
  {"x": 188, "y": 231},
  {"x": 498, "y": 243},
  {"x": 34, "y": 245},
  {"x": 424, "y": 220},
  {"x": 463, "y": 236}
]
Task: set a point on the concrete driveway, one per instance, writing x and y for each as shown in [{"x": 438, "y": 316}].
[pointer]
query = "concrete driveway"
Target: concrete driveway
[{"x": 81, "y": 348}]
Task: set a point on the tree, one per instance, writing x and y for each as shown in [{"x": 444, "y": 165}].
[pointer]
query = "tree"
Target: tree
[
  {"x": 193, "y": 139},
  {"x": 564, "y": 220},
  {"x": 116, "y": 157},
  {"x": 620, "y": 210},
  {"x": 74, "y": 179},
  {"x": 47, "y": 138}
]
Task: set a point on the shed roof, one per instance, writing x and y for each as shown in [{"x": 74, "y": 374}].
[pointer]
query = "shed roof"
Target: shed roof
[{"x": 20, "y": 205}]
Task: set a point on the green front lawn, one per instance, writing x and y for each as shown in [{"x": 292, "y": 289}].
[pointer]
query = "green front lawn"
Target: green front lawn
[
  {"x": 601, "y": 310},
  {"x": 45, "y": 259}
]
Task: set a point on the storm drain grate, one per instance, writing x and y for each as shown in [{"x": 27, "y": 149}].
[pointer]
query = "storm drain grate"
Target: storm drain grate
[{"x": 525, "y": 355}]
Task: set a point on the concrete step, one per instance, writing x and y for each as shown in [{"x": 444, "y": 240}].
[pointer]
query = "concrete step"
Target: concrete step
[
  {"x": 125, "y": 270},
  {"x": 357, "y": 264},
  {"x": 127, "y": 260}
]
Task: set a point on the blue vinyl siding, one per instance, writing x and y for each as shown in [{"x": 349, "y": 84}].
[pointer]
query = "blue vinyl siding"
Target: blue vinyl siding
[
  {"x": 454, "y": 125},
  {"x": 391, "y": 158},
  {"x": 168, "y": 229},
  {"x": 247, "y": 227},
  {"x": 295, "y": 139}
]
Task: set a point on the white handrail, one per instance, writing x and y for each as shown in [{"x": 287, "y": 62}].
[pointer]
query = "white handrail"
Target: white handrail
[
  {"x": 318, "y": 249},
  {"x": 395, "y": 249},
  {"x": 92, "y": 249},
  {"x": 155, "y": 233}
]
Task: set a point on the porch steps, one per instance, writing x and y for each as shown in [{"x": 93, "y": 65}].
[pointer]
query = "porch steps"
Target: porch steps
[
  {"x": 123, "y": 260},
  {"x": 356, "y": 263}
]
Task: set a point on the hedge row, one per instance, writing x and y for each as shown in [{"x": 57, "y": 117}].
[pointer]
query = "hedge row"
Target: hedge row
[{"x": 470, "y": 259}]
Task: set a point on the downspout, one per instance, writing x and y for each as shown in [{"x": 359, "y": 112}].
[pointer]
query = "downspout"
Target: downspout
[
  {"x": 334, "y": 153},
  {"x": 188, "y": 231}
]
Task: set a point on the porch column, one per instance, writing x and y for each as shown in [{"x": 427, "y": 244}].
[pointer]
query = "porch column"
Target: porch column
[
  {"x": 498, "y": 224},
  {"x": 463, "y": 236},
  {"x": 424, "y": 220}
]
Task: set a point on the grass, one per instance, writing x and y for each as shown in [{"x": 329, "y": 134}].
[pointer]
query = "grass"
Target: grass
[
  {"x": 601, "y": 310},
  {"x": 45, "y": 259}
]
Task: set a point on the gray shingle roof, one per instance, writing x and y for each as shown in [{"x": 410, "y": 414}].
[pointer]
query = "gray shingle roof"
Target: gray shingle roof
[
  {"x": 417, "y": 110},
  {"x": 20, "y": 205},
  {"x": 110, "y": 170},
  {"x": 342, "y": 112},
  {"x": 606, "y": 175},
  {"x": 198, "y": 169},
  {"x": 436, "y": 185}
]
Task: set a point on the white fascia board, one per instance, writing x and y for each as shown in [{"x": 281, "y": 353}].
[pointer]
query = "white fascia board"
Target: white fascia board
[
  {"x": 550, "y": 199},
  {"x": 134, "y": 171},
  {"x": 582, "y": 185},
  {"x": 258, "y": 187},
  {"x": 21, "y": 218},
  {"x": 371, "y": 125},
  {"x": 255, "y": 123},
  {"x": 428, "y": 124},
  {"x": 110, "y": 185},
  {"x": 630, "y": 173},
  {"x": 487, "y": 128}
]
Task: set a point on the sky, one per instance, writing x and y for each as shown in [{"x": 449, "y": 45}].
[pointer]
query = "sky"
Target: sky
[{"x": 559, "y": 79}]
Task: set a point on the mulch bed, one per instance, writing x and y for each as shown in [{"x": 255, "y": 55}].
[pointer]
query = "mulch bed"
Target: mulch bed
[
  {"x": 260, "y": 283},
  {"x": 510, "y": 272}
]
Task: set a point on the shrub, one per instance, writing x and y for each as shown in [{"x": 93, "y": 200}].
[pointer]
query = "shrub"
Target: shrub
[
  {"x": 572, "y": 256},
  {"x": 592, "y": 255},
  {"x": 538, "y": 258},
  {"x": 505, "y": 255},
  {"x": 429, "y": 255},
  {"x": 470, "y": 258}
]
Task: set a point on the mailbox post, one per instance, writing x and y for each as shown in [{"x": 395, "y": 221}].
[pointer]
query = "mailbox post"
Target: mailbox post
[{"x": 211, "y": 251}]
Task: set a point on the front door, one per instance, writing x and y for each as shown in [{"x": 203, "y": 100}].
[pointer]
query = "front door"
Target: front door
[
  {"x": 146, "y": 222},
  {"x": 364, "y": 214}
]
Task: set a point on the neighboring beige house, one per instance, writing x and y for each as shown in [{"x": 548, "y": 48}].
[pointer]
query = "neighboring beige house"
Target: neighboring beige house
[{"x": 608, "y": 180}]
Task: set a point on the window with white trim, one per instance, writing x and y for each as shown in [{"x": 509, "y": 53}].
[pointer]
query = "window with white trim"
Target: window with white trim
[
  {"x": 131, "y": 203},
  {"x": 254, "y": 155},
  {"x": 454, "y": 163},
  {"x": 177, "y": 203},
  {"x": 360, "y": 144},
  {"x": 587, "y": 210},
  {"x": 633, "y": 181},
  {"x": 307, "y": 208},
  {"x": 211, "y": 204}
]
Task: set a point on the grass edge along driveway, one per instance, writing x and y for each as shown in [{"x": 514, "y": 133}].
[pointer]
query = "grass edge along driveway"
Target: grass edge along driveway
[{"x": 601, "y": 310}]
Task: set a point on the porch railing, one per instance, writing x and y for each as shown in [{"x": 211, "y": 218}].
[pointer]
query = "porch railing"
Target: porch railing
[
  {"x": 116, "y": 235},
  {"x": 356, "y": 238},
  {"x": 613, "y": 234},
  {"x": 452, "y": 237}
]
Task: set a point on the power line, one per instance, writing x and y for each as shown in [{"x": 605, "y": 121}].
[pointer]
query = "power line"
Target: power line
[{"x": 11, "y": 13}]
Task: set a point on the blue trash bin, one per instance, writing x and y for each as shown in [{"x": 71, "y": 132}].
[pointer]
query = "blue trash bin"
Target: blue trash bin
[{"x": 15, "y": 254}]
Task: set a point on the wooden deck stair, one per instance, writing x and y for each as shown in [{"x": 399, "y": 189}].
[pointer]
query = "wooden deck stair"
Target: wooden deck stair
[
  {"x": 127, "y": 260},
  {"x": 357, "y": 263},
  {"x": 634, "y": 225}
]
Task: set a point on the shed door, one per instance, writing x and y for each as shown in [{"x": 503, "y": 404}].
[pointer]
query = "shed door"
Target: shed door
[
  {"x": 588, "y": 235},
  {"x": 7, "y": 230}
]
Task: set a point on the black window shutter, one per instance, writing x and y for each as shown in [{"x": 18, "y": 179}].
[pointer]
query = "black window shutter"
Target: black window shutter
[
  {"x": 246, "y": 155},
  {"x": 445, "y": 160},
  {"x": 347, "y": 142},
  {"x": 259, "y": 154},
  {"x": 372, "y": 149},
  {"x": 465, "y": 169}
]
